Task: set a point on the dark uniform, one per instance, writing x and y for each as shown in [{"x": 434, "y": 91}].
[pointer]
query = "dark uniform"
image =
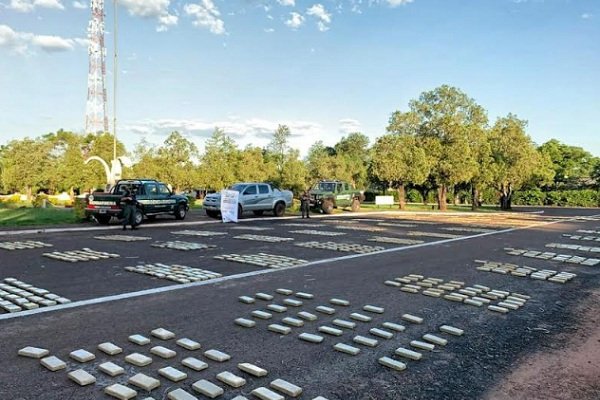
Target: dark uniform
[
  {"x": 129, "y": 202},
  {"x": 305, "y": 205}
]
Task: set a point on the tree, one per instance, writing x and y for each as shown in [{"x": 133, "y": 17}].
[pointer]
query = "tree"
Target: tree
[
  {"x": 176, "y": 161},
  {"x": 318, "y": 163},
  {"x": 353, "y": 155},
  {"x": 253, "y": 167},
  {"x": 146, "y": 162},
  {"x": 398, "y": 160},
  {"x": 67, "y": 157},
  {"x": 573, "y": 166},
  {"x": 515, "y": 159},
  {"x": 444, "y": 120},
  {"x": 294, "y": 174},
  {"x": 27, "y": 165},
  {"x": 279, "y": 147},
  {"x": 219, "y": 161}
]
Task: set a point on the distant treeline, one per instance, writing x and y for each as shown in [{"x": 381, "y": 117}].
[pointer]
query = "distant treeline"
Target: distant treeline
[{"x": 441, "y": 149}]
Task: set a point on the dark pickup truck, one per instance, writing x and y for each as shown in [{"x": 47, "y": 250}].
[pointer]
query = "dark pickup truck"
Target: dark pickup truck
[{"x": 154, "y": 198}]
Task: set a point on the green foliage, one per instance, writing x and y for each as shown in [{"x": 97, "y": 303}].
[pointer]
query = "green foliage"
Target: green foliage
[
  {"x": 40, "y": 200},
  {"x": 449, "y": 125},
  {"x": 79, "y": 208},
  {"x": 353, "y": 156},
  {"x": 572, "y": 166},
  {"x": 563, "y": 198},
  {"x": 413, "y": 196},
  {"x": 398, "y": 159},
  {"x": 219, "y": 161}
]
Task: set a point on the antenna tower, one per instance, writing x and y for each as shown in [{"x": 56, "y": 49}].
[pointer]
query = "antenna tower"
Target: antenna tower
[{"x": 95, "y": 113}]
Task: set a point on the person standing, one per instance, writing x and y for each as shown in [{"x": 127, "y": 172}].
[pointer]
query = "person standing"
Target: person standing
[
  {"x": 129, "y": 202},
  {"x": 305, "y": 204}
]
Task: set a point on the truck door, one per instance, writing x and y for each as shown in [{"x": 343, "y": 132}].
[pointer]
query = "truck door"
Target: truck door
[
  {"x": 149, "y": 197},
  {"x": 265, "y": 197},
  {"x": 164, "y": 200},
  {"x": 249, "y": 198}
]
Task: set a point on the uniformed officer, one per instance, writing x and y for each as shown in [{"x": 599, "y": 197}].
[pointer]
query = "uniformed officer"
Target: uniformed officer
[
  {"x": 305, "y": 204},
  {"x": 129, "y": 202}
]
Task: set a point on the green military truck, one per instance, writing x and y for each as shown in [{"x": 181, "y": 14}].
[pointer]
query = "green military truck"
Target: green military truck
[
  {"x": 327, "y": 195},
  {"x": 154, "y": 198}
]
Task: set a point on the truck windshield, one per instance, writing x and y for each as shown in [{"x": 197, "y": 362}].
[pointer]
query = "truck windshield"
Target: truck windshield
[{"x": 325, "y": 186}]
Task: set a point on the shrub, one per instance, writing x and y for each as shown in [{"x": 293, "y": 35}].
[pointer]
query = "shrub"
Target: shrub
[
  {"x": 191, "y": 200},
  {"x": 40, "y": 201},
  {"x": 79, "y": 207},
  {"x": 413, "y": 196}
]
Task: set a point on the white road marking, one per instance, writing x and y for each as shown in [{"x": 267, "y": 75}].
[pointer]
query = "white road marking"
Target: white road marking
[{"x": 165, "y": 289}]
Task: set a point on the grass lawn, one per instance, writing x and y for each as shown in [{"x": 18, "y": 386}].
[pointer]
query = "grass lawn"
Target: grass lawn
[{"x": 36, "y": 216}]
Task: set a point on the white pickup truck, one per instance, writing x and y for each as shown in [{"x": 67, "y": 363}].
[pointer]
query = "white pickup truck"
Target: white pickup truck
[{"x": 255, "y": 197}]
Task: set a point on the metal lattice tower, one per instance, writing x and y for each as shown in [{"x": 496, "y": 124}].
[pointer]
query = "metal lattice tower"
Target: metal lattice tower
[{"x": 96, "y": 119}]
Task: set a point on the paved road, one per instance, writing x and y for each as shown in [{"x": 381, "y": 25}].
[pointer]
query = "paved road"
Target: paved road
[{"x": 110, "y": 303}]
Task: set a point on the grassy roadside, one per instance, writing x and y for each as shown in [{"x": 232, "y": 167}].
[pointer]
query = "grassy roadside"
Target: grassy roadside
[{"x": 36, "y": 216}]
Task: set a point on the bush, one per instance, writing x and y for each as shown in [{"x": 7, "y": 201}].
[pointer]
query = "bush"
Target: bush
[
  {"x": 561, "y": 198},
  {"x": 413, "y": 196},
  {"x": 79, "y": 207},
  {"x": 40, "y": 201},
  {"x": 534, "y": 197},
  {"x": 191, "y": 200}
]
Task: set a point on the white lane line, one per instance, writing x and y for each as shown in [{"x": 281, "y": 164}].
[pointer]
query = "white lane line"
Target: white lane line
[{"x": 130, "y": 295}]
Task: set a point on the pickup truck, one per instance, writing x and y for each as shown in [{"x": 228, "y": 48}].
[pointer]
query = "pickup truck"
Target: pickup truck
[
  {"x": 153, "y": 198},
  {"x": 255, "y": 197},
  {"x": 327, "y": 195}
]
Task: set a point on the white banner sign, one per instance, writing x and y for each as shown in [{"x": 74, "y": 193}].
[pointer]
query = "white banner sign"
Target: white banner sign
[{"x": 229, "y": 205}]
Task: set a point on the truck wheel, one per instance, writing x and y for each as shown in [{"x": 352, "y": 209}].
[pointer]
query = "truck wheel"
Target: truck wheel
[
  {"x": 180, "y": 212},
  {"x": 327, "y": 207},
  {"x": 103, "y": 219},
  {"x": 212, "y": 213},
  {"x": 258, "y": 213},
  {"x": 355, "y": 205},
  {"x": 279, "y": 209},
  {"x": 138, "y": 217}
]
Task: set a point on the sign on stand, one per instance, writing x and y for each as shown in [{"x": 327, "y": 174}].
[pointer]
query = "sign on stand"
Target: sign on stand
[{"x": 229, "y": 205}]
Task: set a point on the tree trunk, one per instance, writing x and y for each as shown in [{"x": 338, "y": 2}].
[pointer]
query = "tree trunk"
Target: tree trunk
[
  {"x": 401, "y": 197},
  {"x": 506, "y": 197},
  {"x": 424, "y": 194},
  {"x": 456, "y": 197},
  {"x": 29, "y": 193},
  {"x": 442, "y": 195},
  {"x": 474, "y": 197}
]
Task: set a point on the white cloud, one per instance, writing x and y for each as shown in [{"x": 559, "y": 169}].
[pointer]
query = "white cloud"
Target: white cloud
[
  {"x": 20, "y": 42},
  {"x": 80, "y": 5},
  {"x": 287, "y": 3},
  {"x": 295, "y": 21},
  {"x": 349, "y": 125},
  {"x": 206, "y": 15},
  {"x": 586, "y": 16},
  {"x": 152, "y": 9},
  {"x": 29, "y": 5},
  {"x": 396, "y": 3},
  {"x": 269, "y": 30},
  {"x": 53, "y": 43},
  {"x": 56, "y": 4},
  {"x": 254, "y": 131},
  {"x": 323, "y": 17}
]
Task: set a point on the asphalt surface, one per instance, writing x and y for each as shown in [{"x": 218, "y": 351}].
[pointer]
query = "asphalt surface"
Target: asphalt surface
[{"x": 467, "y": 367}]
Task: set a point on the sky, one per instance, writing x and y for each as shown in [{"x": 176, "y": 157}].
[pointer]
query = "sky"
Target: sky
[{"x": 325, "y": 68}]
